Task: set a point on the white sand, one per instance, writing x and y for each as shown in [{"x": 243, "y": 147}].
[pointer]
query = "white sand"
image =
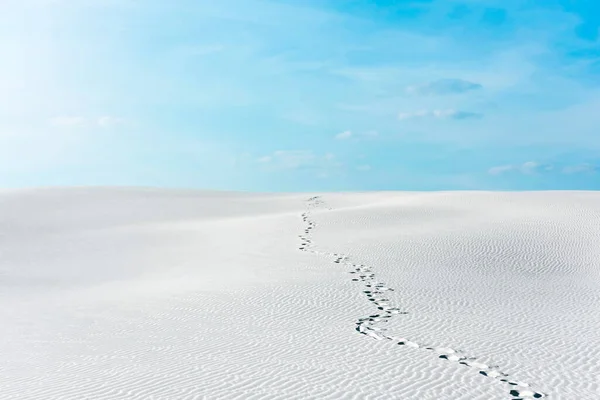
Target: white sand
[{"x": 156, "y": 294}]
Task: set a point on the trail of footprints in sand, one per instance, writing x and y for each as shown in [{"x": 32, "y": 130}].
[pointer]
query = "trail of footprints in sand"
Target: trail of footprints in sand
[{"x": 370, "y": 326}]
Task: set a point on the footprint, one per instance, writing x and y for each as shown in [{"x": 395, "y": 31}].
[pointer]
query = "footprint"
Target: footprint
[
  {"x": 367, "y": 325},
  {"x": 524, "y": 394}
]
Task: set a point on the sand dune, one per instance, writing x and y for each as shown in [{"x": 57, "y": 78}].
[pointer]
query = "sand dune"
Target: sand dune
[{"x": 155, "y": 294}]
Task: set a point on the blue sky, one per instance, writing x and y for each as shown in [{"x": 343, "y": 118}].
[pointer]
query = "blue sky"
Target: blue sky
[{"x": 301, "y": 95}]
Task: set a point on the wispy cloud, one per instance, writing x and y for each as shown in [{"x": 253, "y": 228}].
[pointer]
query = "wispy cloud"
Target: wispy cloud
[
  {"x": 440, "y": 114},
  {"x": 344, "y": 135},
  {"x": 581, "y": 168},
  {"x": 533, "y": 167},
  {"x": 264, "y": 159},
  {"x": 444, "y": 87},
  {"x": 108, "y": 121},
  {"x": 500, "y": 169},
  {"x": 529, "y": 167},
  {"x": 353, "y": 136}
]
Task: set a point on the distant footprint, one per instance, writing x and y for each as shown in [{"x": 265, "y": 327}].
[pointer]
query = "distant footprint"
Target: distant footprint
[{"x": 375, "y": 293}]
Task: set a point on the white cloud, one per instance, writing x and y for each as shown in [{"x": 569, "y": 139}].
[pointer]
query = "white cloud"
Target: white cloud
[
  {"x": 364, "y": 167},
  {"x": 413, "y": 114},
  {"x": 533, "y": 167},
  {"x": 108, "y": 121},
  {"x": 265, "y": 159},
  {"x": 498, "y": 170},
  {"x": 443, "y": 87},
  {"x": 528, "y": 168},
  {"x": 439, "y": 114},
  {"x": 344, "y": 135}
]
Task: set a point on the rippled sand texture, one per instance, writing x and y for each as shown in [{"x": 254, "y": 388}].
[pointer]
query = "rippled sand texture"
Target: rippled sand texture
[{"x": 158, "y": 294}]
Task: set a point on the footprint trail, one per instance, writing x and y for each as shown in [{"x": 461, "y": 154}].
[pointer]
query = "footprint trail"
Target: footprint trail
[{"x": 373, "y": 325}]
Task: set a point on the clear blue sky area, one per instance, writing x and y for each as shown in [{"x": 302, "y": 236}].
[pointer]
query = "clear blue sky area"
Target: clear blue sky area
[{"x": 301, "y": 95}]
